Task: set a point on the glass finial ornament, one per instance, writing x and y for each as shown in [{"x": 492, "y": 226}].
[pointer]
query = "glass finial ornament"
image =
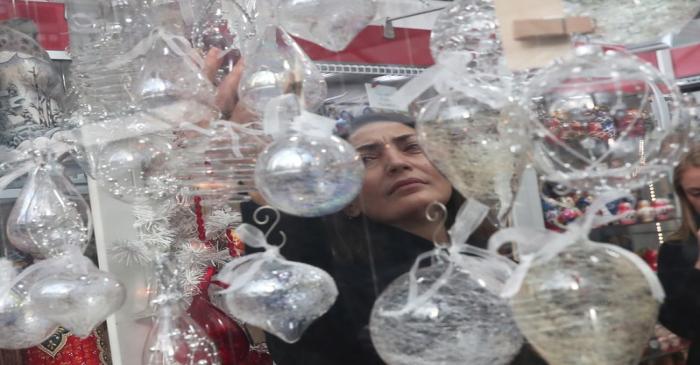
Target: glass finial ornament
[
  {"x": 276, "y": 65},
  {"x": 633, "y": 21},
  {"x": 29, "y": 103},
  {"x": 267, "y": 291},
  {"x": 74, "y": 293},
  {"x": 463, "y": 132},
  {"x": 136, "y": 165},
  {"x": 448, "y": 312},
  {"x": 603, "y": 119},
  {"x": 571, "y": 296},
  {"x": 49, "y": 215},
  {"x": 21, "y": 326},
  {"x": 469, "y": 28},
  {"x": 335, "y": 24},
  {"x": 308, "y": 172}
]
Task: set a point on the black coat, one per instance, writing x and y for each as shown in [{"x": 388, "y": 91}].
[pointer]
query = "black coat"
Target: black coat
[
  {"x": 341, "y": 336},
  {"x": 680, "y": 312}
]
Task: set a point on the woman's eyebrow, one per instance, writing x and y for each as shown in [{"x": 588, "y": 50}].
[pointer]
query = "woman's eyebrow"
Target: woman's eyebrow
[
  {"x": 369, "y": 147},
  {"x": 403, "y": 138}
]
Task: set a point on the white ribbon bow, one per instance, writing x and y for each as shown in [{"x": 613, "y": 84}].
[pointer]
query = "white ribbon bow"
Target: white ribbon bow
[
  {"x": 533, "y": 252},
  {"x": 22, "y": 161},
  {"x": 284, "y": 114}
]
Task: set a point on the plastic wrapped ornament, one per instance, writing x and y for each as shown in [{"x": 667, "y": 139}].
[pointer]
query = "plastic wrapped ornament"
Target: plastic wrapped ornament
[
  {"x": 278, "y": 296},
  {"x": 50, "y": 215},
  {"x": 309, "y": 176},
  {"x": 276, "y": 65},
  {"x": 633, "y": 21},
  {"x": 176, "y": 339},
  {"x": 218, "y": 166},
  {"x": 21, "y": 325},
  {"x": 463, "y": 134},
  {"x": 449, "y": 312},
  {"x": 575, "y": 308},
  {"x": 71, "y": 291},
  {"x": 31, "y": 88},
  {"x": 470, "y": 28},
  {"x": 603, "y": 120},
  {"x": 336, "y": 22},
  {"x": 136, "y": 167}
]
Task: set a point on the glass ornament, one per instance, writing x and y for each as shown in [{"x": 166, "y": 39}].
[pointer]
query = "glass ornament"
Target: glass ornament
[
  {"x": 588, "y": 305},
  {"x": 602, "y": 120},
  {"x": 49, "y": 216},
  {"x": 278, "y": 296},
  {"x": 218, "y": 166},
  {"x": 276, "y": 65},
  {"x": 228, "y": 336},
  {"x": 462, "y": 322},
  {"x": 30, "y": 88},
  {"x": 335, "y": 23},
  {"x": 463, "y": 134},
  {"x": 21, "y": 324},
  {"x": 633, "y": 21},
  {"x": 77, "y": 295},
  {"x": 469, "y": 28},
  {"x": 176, "y": 339},
  {"x": 136, "y": 167},
  {"x": 309, "y": 176}
]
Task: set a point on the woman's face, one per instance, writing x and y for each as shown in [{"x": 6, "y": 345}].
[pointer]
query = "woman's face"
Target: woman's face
[
  {"x": 399, "y": 180},
  {"x": 690, "y": 182}
]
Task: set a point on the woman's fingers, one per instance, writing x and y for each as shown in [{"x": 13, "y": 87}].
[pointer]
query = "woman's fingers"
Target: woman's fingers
[
  {"x": 212, "y": 62},
  {"x": 227, "y": 93}
]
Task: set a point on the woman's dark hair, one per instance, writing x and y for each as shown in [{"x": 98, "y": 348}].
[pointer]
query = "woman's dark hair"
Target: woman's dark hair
[{"x": 351, "y": 241}]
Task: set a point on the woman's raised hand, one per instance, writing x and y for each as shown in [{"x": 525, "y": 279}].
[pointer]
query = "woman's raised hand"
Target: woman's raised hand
[{"x": 227, "y": 90}]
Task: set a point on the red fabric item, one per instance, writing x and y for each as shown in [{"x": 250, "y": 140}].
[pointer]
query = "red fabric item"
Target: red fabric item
[
  {"x": 65, "y": 349},
  {"x": 49, "y": 18}
]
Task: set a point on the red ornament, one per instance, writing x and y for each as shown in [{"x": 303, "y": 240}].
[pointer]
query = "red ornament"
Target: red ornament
[
  {"x": 651, "y": 257},
  {"x": 62, "y": 348},
  {"x": 230, "y": 339}
]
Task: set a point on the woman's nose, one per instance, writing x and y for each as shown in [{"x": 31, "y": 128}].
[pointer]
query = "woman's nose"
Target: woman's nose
[{"x": 395, "y": 160}]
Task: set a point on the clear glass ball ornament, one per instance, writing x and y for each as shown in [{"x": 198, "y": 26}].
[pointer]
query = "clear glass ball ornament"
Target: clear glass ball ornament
[
  {"x": 176, "y": 339},
  {"x": 283, "y": 298},
  {"x": 576, "y": 308},
  {"x": 603, "y": 119},
  {"x": 469, "y": 28},
  {"x": 463, "y": 322},
  {"x": 309, "y": 176},
  {"x": 335, "y": 22},
  {"x": 136, "y": 167},
  {"x": 78, "y": 296},
  {"x": 276, "y": 65},
  {"x": 633, "y": 21},
  {"x": 50, "y": 215},
  {"x": 464, "y": 134},
  {"x": 21, "y": 323}
]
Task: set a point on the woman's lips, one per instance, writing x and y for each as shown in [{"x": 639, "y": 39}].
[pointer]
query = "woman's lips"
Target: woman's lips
[{"x": 405, "y": 183}]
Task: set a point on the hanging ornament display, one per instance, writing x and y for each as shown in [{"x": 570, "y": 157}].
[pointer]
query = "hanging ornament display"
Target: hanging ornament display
[
  {"x": 72, "y": 292},
  {"x": 339, "y": 25},
  {"x": 21, "y": 324},
  {"x": 448, "y": 312},
  {"x": 267, "y": 291},
  {"x": 218, "y": 166},
  {"x": 50, "y": 215},
  {"x": 469, "y": 28},
  {"x": 307, "y": 171},
  {"x": 228, "y": 336},
  {"x": 603, "y": 120},
  {"x": 630, "y": 21},
  {"x": 276, "y": 65},
  {"x": 463, "y": 134},
  {"x": 570, "y": 296},
  {"x": 30, "y": 88}
]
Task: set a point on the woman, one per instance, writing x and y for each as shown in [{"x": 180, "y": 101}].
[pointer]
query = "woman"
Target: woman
[
  {"x": 679, "y": 263},
  {"x": 371, "y": 242}
]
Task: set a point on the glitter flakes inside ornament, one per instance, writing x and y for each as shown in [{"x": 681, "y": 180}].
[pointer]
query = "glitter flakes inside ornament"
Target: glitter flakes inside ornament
[{"x": 309, "y": 176}]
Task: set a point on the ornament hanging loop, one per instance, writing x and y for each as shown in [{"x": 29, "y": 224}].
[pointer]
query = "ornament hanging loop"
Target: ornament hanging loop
[{"x": 262, "y": 216}]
